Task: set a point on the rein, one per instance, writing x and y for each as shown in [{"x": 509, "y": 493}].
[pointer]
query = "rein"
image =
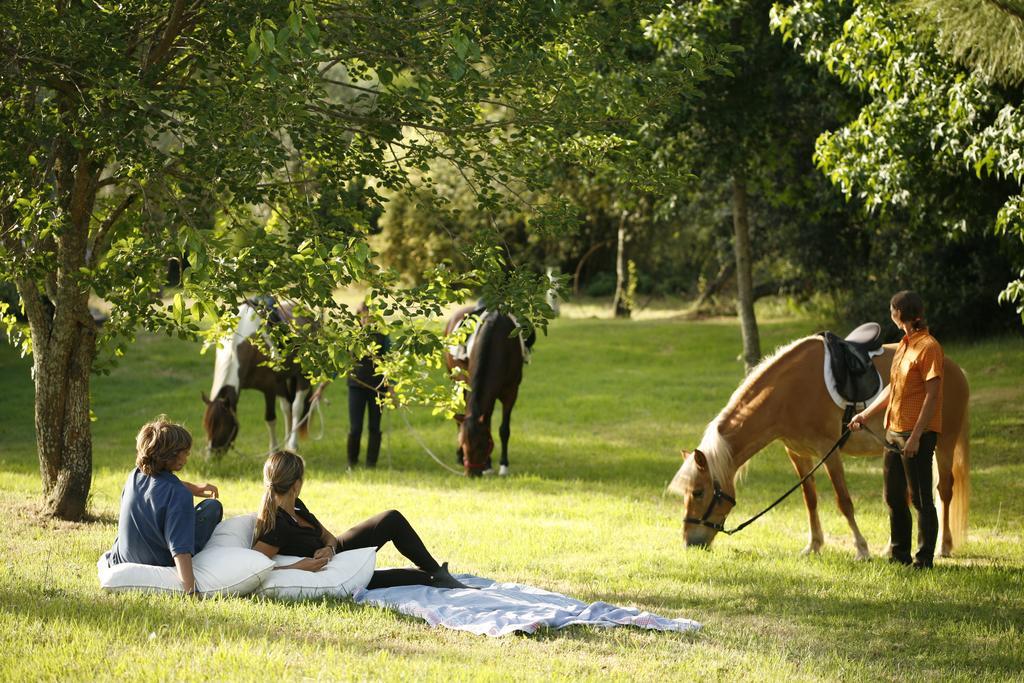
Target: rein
[{"x": 721, "y": 495}]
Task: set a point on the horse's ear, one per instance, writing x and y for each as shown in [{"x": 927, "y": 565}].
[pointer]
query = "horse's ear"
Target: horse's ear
[
  {"x": 701, "y": 460},
  {"x": 206, "y": 400}
]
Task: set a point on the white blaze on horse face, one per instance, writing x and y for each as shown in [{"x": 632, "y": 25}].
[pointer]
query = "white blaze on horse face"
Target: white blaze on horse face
[{"x": 697, "y": 489}]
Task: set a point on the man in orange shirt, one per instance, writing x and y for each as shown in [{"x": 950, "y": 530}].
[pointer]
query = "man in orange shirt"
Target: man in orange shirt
[{"x": 913, "y": 420}]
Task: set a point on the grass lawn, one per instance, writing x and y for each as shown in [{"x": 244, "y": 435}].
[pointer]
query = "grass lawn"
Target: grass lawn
[{"x": 604, "y": 409}]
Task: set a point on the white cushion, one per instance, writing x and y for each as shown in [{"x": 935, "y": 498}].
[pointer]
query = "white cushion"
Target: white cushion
[
  {"x": 233, "y": 532},
  {"x": 346, "y": 573},
  {"x": 218, "y": 571}
]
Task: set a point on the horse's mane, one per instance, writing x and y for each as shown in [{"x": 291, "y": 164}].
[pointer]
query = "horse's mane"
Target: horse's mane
[
  {"x": 482, "y": 346},
  {"x": 713, "y": 444}
]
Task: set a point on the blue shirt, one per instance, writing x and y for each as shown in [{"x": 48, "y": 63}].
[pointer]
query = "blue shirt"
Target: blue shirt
[{"x": 157, "y": 521}]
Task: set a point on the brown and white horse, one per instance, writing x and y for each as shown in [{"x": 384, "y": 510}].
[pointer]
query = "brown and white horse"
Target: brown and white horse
[
  {"x": 241, "y": 365},
  {"x": 784, "y": 398},
  {"x": 493, "y": 371}
]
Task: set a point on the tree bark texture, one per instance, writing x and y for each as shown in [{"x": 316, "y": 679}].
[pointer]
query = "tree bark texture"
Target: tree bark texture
[
  {"x": 64, "y": 344},
  {"x": 744, "y": 275},
  {"x": 620, "y": 305}
]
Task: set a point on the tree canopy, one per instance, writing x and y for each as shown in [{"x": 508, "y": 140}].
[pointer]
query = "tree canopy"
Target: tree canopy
[
  {"x": 937, "y": 145},
  {"x": 254, "y": 143}
]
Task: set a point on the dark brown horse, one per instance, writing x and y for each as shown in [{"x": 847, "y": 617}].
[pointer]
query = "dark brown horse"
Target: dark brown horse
[
  {"x": 241, "y": 365},
  {"x": 493, "y": 371}
]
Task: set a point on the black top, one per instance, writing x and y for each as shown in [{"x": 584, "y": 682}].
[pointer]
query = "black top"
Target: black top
[
  {"x": 364, "y": 373},
  {"x": 291, "y": 539}
]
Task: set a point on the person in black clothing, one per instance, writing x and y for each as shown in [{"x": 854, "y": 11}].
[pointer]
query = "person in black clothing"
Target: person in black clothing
[
  {"x": 365, "y": 386},
  {"x": 284, "y": 525}
]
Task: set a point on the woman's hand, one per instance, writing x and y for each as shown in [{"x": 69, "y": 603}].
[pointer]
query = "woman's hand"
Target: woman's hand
[
  {"x": 326, "y": 553},
  {"x": 310, "y": 564},
  {"x": 912, "y": 445},
  {"x": 857, "y": 422}
]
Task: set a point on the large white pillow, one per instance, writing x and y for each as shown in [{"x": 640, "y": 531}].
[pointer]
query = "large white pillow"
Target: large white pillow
[
  {"x": 233, "y": 532},
  {"x": 218, "y": 571},
  {"x": 346, "y": 573}
]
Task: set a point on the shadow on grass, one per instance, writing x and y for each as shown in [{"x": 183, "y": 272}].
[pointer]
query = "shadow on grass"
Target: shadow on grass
[{"x": 814, "y": 617}]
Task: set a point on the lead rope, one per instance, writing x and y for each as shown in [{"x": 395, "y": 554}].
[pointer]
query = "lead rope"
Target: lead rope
[
  {"x": 842, "y": 439},
  {"x": 424, "y": 446}
]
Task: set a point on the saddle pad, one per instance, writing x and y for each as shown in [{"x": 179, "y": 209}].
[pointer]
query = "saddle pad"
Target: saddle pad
[{"x": 830, "y": 380}]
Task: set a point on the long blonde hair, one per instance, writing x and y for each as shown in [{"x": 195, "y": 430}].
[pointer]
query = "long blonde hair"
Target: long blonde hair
[{"x": 280, "y": 472}]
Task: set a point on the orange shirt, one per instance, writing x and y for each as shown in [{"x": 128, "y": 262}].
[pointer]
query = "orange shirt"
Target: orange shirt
[{"x": 918, "y": 359}]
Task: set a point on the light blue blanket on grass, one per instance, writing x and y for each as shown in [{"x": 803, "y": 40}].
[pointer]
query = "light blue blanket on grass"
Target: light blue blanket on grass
[{"x": 498, "y": 609}]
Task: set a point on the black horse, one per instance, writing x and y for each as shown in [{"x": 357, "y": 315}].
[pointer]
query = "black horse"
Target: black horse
[{"x": 493, "y": 371}]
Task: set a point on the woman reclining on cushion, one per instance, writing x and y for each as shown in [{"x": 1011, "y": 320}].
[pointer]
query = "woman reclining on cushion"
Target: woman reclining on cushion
[{"x": 284, "y": 525}]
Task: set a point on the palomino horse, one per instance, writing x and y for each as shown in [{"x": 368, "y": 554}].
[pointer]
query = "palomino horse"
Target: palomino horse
[
  {"x": 493, "y": 371},
  {"x": 785, "y": 398},
  {"x": 240, "y": 365}
]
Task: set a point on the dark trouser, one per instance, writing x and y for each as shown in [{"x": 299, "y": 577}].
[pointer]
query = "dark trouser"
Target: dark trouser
[
  {"x": 392, "y": 526},
  {"x": 209, "y": 512},
  {"x": 360, "y": 401},
  {"x": 915, "y": 473}
]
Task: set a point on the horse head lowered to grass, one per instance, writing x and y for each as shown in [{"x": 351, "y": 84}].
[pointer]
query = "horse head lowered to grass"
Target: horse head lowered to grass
[
  {"x": 785, "y": 398},
  {"x": 492, "y": 366},
  {"x": 241, "y": 365}
]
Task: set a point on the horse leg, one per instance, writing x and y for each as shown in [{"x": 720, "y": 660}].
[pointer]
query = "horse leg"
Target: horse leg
[
  {"x": 270, "y": 415},
  {"x": 944, "y": 464},
  {"x": 838, "y": 476},
  {"x": 286, "y": 409},
  {"x": 803, "y": 465},
  {"x": 298, "y": 403},
  {"x": 505, "y": 431}
]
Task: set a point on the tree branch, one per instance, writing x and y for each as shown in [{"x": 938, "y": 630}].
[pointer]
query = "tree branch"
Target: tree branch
[
  {"x": 97, "y": 246},
  {"x": 171, "y": 33}
]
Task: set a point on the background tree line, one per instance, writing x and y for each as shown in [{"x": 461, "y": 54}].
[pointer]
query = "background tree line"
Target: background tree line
[{"x": 866, "y": 146}]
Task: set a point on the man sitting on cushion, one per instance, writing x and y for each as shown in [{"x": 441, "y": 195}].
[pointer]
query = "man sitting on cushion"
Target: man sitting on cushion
[{"x": 158, "y": 525}]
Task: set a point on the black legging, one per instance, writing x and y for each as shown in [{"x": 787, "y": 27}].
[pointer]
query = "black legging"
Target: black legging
[
  {"x": 361, "y": 399},
  {"x": 391, "y": 525}
]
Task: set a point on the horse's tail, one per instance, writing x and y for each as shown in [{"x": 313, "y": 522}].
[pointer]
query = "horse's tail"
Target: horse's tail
[{"x": 960, "y": 505}]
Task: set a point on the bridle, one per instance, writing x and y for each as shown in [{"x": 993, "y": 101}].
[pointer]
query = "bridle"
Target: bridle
[
  {"x": 234, "y": 431},
  {"x": 719, "y": 496}
]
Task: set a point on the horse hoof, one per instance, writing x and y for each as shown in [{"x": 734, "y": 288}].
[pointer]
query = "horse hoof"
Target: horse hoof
[
  {"x": 488, "y": 472},
  {"x": 503, "y": 471},
  {"x": 809, "y": 550},
  {"x": 863, "y": 556}
]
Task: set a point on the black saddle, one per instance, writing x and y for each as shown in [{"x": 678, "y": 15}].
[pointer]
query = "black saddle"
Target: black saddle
[{"x": 854, "y": 373}]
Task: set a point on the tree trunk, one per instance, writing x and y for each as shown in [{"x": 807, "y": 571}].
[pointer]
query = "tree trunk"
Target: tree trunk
[
  {"x": 62, "y": 369},
  {"x": 64, "y": 342},
  {"x": 621, "y": 304},
  {"x": 724, "y": 273},
  {"x": 744, "y": 277}
]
